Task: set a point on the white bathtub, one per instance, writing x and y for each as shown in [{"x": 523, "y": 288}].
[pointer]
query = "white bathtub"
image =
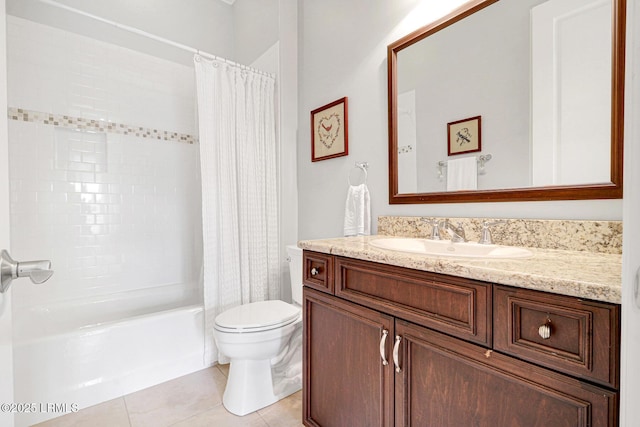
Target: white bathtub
[{"x": 85, "y": 353}]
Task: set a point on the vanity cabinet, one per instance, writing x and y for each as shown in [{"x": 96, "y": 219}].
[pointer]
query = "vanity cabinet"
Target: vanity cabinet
[{"x": 387, "y": 346}]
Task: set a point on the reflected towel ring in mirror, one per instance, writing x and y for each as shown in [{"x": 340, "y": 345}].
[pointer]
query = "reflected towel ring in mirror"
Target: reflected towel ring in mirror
[{"x": 360, "y": 168}]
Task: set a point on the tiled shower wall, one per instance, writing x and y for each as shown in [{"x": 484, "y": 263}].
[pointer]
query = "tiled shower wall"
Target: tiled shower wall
[{"x": 103, "y": 169}]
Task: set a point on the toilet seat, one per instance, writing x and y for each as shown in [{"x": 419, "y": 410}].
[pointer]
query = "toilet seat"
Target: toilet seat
[{"x": 257, "y": 317}]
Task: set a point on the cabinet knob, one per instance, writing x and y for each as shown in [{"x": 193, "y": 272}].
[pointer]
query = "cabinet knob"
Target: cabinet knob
[
  {"x": 545, "y": 331},
  {"x": 315, "y": 271}
]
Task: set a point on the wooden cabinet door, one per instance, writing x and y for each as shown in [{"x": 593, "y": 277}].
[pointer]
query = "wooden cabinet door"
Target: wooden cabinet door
[
  {"x": 445, "y": 382},
  {"x": 345, "y": 382}
]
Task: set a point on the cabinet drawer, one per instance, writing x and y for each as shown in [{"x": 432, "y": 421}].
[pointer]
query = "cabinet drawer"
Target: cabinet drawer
[
  {"x": 456, "y": 306},
  {"x": 317, "y": 271},
  {"x": 583, "y": 336}
]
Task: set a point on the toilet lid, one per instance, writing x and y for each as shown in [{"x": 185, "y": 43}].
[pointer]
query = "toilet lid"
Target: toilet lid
[{"x": 258, "y": 315}]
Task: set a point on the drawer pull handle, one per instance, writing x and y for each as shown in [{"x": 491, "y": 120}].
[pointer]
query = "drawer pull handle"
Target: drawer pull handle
[
  {"x": 545, "y": 331},
  {"x": 396, "y": 346},
  {"x": 315, "y": 271},
  {"x": 383, "y": 342}
]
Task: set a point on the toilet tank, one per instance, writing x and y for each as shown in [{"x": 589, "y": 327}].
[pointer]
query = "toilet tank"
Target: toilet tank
[{"x": 295, "y": 271}]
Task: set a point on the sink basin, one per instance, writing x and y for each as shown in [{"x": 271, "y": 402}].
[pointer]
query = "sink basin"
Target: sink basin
[{"x": 448, "y": 249}]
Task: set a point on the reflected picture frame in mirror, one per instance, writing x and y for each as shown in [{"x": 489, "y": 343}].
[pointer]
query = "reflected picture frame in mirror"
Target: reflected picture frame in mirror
[
  {"x": 464, "y": 136},
  {"x": 605, "y": 190}
]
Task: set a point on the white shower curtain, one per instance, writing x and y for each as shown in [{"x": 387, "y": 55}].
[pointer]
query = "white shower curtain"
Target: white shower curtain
[{"x": 236, "y": 115}]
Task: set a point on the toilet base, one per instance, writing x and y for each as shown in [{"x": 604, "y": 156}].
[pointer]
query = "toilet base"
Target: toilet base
[
  {"x": 250, "y": 387},
  {"x": 260, "y": 381}
]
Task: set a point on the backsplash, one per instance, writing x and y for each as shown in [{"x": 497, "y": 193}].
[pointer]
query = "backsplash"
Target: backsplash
[{"x": 591, "y": 236}]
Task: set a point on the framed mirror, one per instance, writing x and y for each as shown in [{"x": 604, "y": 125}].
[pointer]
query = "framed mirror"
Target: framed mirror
[{"x": 542, "y": 83}]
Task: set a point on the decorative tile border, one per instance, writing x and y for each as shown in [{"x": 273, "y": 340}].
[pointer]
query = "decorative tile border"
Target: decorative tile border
[
  {"x": 70, "y": 122},
  {"x": 572, "y": 235}
]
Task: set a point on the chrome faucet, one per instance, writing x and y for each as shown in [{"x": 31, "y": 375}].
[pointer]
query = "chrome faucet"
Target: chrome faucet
[
  {"x": 435, "y": 228},
  {"x": 456, "y": 231},
  {"x": 485, "y": 233}
]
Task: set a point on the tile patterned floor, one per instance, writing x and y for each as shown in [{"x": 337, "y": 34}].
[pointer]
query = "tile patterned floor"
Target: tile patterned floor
[{"x": 194, "y": 400}]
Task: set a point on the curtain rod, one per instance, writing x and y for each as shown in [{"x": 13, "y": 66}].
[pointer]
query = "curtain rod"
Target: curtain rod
[{"x": 152, "y": 36}]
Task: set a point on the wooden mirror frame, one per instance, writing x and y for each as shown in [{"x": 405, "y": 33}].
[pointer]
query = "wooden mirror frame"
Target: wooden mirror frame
[{"x": 611, "y": 190}]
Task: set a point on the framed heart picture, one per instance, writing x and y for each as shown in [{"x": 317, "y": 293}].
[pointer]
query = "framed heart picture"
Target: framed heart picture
[{"x": 330, "y": 131}]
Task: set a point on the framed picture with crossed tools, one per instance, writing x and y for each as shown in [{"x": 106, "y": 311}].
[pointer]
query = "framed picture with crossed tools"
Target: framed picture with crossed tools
[
  {"x": 464, "y": 136},
  {"x": 330, "y": 131}
]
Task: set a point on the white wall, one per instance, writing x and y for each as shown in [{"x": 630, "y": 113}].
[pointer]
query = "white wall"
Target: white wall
[
  {"x": 255, "y": 28},
  {"x": 288, "y": 94},
  {"x": 343, "y": 53},
  {"x": 113, "y": 212},
  {"x": 203, "y": 24}
]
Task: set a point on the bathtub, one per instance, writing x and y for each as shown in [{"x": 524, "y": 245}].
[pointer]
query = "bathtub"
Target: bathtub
[{"x": 85, "y": 352}]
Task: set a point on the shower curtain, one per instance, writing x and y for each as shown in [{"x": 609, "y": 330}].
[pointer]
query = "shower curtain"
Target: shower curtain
[{"x": 236, "y": 115}]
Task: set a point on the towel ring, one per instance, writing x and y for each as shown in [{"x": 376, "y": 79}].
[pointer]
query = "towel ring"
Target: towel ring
[{"x": 359, "y": 166}]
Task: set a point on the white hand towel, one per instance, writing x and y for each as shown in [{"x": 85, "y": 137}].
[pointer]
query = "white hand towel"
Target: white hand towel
[
  {"x": 462, "y": 174},
  {"x": 357, "y": 212}
]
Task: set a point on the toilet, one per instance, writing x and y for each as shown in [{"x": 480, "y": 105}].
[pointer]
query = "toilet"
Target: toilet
[{"x": 263, "y": 340}]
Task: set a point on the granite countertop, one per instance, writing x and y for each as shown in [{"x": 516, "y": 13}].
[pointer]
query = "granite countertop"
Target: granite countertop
[{"x": 588, "y": 275}]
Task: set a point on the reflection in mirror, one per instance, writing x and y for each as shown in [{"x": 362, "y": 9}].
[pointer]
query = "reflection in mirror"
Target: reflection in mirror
[{"x": 539, "y": 74}]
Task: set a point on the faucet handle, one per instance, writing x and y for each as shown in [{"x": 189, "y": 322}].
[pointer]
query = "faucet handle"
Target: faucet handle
[
  {"x": 456, "y": 231},
  {"x": 38, "y": 271},
  {"x": 458, "y": 226},
  {"x": 485, "y": 234},
  {"x": 435, "y": 227}
]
